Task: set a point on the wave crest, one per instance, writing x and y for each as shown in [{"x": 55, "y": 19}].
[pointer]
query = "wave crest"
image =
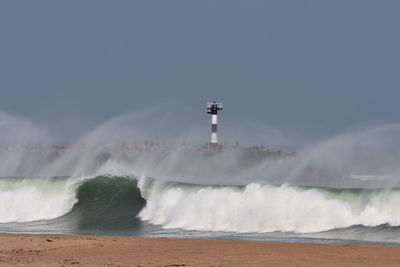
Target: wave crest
[
  {"x": 121, "y": 203},
  {"x": 265, "y": 208}
]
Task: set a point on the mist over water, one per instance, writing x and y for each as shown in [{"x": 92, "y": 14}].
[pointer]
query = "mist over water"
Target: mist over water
[
  {"x": 364, "y": 154},
  {"x": 346, "y": 180}
]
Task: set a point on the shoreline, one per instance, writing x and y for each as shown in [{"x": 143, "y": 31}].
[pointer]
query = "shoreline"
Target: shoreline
[{"x": 95, "y": 250}]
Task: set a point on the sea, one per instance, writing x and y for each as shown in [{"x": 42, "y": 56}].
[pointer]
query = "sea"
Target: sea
[
  {"x": 343, "y": 189},
  {"x": 144, "y": 206}
]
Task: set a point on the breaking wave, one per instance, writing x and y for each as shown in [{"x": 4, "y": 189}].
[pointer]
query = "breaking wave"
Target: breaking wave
[
  {"x": 123, "y": 202},
  {"x": 31, "y": 199}
]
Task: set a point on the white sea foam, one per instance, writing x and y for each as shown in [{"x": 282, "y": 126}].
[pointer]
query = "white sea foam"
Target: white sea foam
[
  {"x": 264, "y": 208},
  {"x": 34, "y": 199}
]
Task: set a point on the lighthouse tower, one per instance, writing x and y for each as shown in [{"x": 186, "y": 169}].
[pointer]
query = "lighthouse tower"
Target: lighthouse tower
[{"x": 212, "y": 108}]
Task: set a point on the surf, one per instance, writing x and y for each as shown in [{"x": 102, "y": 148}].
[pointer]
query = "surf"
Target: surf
[
  {"x": 257, "y": 208},
  {"x": 124, "y": 203}
]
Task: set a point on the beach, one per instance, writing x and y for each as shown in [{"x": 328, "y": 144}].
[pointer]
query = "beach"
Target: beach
[{"x": 92, "y": 250}]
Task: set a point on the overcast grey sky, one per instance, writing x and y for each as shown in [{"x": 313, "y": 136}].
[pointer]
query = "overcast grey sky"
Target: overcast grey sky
[{"x": 301, "y": 65}]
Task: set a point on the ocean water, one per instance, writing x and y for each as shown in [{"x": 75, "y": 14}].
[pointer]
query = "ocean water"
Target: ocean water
[
  {"x": 111, "y": 181},
  {"x": 149, "y": 207}
]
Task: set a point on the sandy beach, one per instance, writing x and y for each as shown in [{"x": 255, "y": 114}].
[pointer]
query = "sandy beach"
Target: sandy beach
[{"x": 78, "y": 250}]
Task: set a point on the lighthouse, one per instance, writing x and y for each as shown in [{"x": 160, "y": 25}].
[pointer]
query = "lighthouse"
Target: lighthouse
[{"x": 212, "y": 108}]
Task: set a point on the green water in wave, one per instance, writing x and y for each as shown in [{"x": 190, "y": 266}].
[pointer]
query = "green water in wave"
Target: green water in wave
[{"x": 106, "y": 203}]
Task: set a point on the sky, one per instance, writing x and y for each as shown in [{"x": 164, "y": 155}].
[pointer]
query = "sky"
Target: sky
[{"x": 310, "y": 67}]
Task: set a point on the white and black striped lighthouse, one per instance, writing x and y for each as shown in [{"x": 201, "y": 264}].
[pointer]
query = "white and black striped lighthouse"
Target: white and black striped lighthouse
[{"x": 212, "y": 108}]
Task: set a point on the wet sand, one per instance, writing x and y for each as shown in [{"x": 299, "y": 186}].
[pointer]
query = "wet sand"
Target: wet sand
[{"x": 78, "y": 250}]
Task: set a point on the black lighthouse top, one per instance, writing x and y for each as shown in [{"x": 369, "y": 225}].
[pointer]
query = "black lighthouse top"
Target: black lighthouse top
[{"x": 213, "y": 107}]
